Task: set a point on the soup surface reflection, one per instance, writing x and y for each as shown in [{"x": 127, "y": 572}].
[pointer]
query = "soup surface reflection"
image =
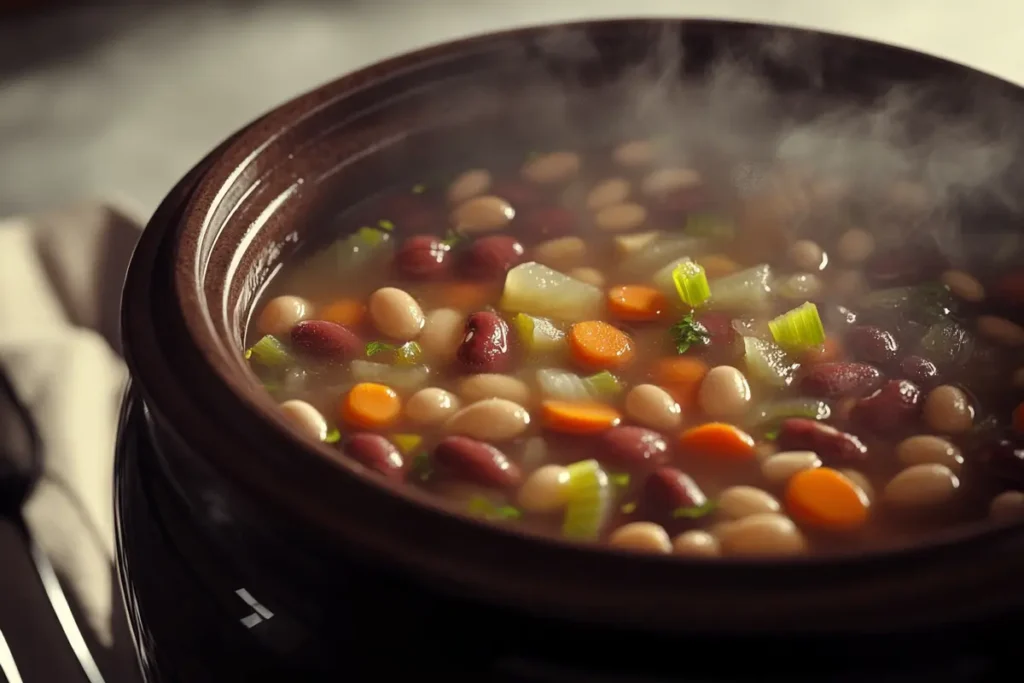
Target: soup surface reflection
[{"x": 602, "y": 348}]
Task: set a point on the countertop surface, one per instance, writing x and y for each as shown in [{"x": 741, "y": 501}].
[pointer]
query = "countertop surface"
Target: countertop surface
[{"x": 117, "y": 100}]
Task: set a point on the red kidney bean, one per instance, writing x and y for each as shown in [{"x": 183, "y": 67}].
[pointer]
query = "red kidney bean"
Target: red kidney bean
[
  {"x": 476, "y": 462},
  {"x": 325, "y": 340},
  {"x": 485, "y": 344},
  {"x": 723, "y": 341},
  {"x": 667, "y": 489},
  {"x": 840, "y": 379},
  {"x": 423, "y": 257},
  {"x": 895, "y": 404},
  {"x": 375, "y": 452},
  {"x": 920, "y": 370},
  {"x": 548, "y": 222},
  {"x": 871, "y": 344},
  {"x": 489, "y": 258},
  {"x": 831, "y": 445},
  {"x": 631, "y": 447}
]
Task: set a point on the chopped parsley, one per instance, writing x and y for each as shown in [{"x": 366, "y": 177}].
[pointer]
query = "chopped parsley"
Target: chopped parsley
[
  {"x": 452, "y": 238},
  {"x": 694, "y": 512},
  {"x": 688, "y": 332},
  {"x": 375, "y": 347}
]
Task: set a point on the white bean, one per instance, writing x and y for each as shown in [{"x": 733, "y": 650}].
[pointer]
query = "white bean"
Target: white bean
[
  {"x": 491, "y": 385},
  {"x": 431, "y": 406},
  {"x": 592, "y": 276},
  {"x": 549, "y": 169},
  {"x": 806, "y": 255},
  {"x": 1000, "y": 330},
  {"x": 627, "y": 245},
  {"x": 643, "y": 536},
  {"x": 963, "y": 285},
  {"x": 724, "y": 393},
  {"x": 307, "y": 418},
  {"x": 442, "y": 334},
  {"x": 855, "y": 246},
  {"x": 652, "y": 406},
  {"x": 1008, "y": 506},
  {"x": 779, "y": 468},
  {"x": 737, "y": 502},
  {"x": 482, "y": 214},
  {"x": 761, "y": 535},
  {"x": 545, "y": 490},
  {"x": 562, "y": 253},
  {"x": 634, "y": 153},
  {"x": 947, "y": 410},
  {"x": 620, "y": 217},
  {"x": 924, "y": 449},
  {"x": 666, "y": 180},
  {"x": 468, "y": 185},
  {"x": 396, "y": 314},
  {"x": 608, "y": 193},
  {"x": 282, "y": 313},
  {"x": 696, "y": 543},
  {"x": 493, "y": 419},
  {"x": 922, "y": 486}
]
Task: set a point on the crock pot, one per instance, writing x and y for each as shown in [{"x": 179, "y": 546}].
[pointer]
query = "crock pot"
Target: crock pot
[{"x": 248, "y": 553}]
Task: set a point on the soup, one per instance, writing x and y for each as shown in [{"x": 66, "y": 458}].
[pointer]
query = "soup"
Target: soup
[{"x": 615, "y": 351}]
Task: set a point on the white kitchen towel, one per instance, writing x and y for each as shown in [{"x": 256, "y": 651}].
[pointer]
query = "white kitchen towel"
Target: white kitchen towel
[{"x": 60, "y": 282}]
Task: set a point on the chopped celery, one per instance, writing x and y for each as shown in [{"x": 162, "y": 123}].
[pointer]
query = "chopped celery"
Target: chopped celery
[
  {"x": 799, "y": 329},
  {"x": 770, "y": 415},
  {"x": 269, "y": 351},
  {"x": 406, "y": 443},
  {"x": 539, "y": 291},
  {"x": 691, "y": 283},
  {"x": 710, "y": 225},
  {"x": 948, "y": 344},
  {"x": 481, "y": 506},
  {"x": 399, "y": 378},
  {"x": 562, "y": 385},
  {"x": 538, "y": 335},
  {"x": 767, "y": 362},
  {"x": 603, "y": 385},
  {"x": 746, "y": 291},
  {"x": 589, "y": 501}
]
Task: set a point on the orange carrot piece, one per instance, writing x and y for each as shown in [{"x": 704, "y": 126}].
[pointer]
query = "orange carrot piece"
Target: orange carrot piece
[
  {"x": 572, "y": 417},
  {"x": 827, "y": 352},
  {"x": 596, "y": 345},
  {"x": 680, "y": 376},
  {"x": 717, "y": 265},
  {"x": 825, "y": 499},
  {"x": 348, "y": 312},
  {"x": 1018, "y": 418},
  {"x": 718, "y": 440},
  {"x": 371, "y": 406},
  {"x": 636, "y": 302}
]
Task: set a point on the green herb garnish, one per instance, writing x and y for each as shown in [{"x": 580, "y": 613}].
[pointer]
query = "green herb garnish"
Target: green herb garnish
[
  {"x": 268, "y": 351},
  {"x": 370, "y": 237},
  {"x": 333, "y": 436},
  {"x": 771, "y": 435},
  {"x": 452, "y": 238},
  {"x": 694, "y": 512},
  {"x": 385, "y": 225},
  {"x": 620, "y": 480},
  {"x": 688, "y": 332},
  {"x": 407, "y": 354},
  {"x": 483, "y": 507},
  {"x": 375, "y": 347}
]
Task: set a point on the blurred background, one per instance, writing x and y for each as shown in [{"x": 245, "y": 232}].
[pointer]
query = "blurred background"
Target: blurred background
[{"x": 116, "y": 99}]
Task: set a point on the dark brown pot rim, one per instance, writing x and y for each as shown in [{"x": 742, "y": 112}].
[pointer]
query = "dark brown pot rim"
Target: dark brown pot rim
[{"x": 191, "y": 375}]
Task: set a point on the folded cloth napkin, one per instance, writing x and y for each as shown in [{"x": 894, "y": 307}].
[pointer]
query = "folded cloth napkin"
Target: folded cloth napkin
[{"x": 60, "y": 283}]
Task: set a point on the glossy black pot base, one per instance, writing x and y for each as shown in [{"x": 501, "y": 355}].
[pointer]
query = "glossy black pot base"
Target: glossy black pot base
[{"x": 198, "y": 616}]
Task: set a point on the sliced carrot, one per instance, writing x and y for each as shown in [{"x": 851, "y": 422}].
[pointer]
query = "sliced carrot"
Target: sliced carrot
[
  {"x": 596, "y": 345},
  {"x": 718, "y": 440},
  {"x": 1018, "y": 418},
  {"x": 348, "y": 312},
  {"x": 466, "y": 296},
  {"x": 371, "y": 406},
  {"x": 680, "y": 376},
  {"x": 828, "y": 352},
  {"x": 825, "y": 499},
  {"x": 717, "y": 265},
  {"x": 572, "y": 417},
  {"x": 636, "y": 302}
]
